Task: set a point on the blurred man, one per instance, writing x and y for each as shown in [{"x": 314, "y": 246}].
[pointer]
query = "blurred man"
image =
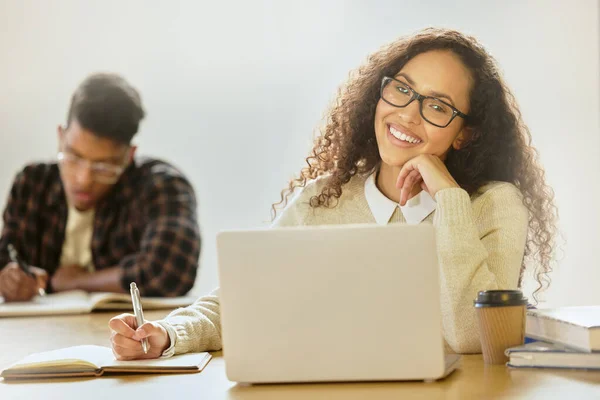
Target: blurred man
[{"x": 98, "y": 218}]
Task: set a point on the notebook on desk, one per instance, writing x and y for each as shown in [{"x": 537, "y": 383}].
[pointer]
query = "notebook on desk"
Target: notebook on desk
[
  {"x": 91, "y": 361},
  {"x": 551, "y": 355},
  {"x": 336, "y": 303},
  {"x": 80, "y": 302},
  {"x": 576, "y": 327}
]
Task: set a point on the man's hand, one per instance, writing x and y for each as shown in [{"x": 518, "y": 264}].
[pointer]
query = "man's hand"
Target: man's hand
[
  {"x": 16, "y": 285},
  {"x": 68, "y": 277}
]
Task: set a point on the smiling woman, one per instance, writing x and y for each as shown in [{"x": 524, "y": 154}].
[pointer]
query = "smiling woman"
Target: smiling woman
[
  {"x": 404, "y": 130},
  {"x": 424, "y": 132},
  {"x": 429, "y": 117},
  {"x": 430, "y": 111}
]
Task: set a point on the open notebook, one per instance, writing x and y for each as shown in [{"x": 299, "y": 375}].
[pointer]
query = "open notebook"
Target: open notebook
[
  {"x": 80, "y": 302},
  {"x": 97, "y": 360}
]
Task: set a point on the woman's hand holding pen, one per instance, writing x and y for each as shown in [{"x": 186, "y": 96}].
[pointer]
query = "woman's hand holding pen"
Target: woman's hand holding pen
[
  {"x": 16, "y": 285},
  {"x": 126, "y": 341}
]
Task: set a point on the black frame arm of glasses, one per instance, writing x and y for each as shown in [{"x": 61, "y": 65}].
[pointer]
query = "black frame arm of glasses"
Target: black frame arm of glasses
[{"x": 419, "y": 97}]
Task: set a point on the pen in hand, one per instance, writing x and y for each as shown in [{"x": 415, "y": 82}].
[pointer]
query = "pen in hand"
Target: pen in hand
[
  {"x": 14, "y": 257},
  {"x": 139, "y": 313}
]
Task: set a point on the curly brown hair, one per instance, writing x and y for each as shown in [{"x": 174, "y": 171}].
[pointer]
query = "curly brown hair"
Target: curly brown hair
[{"x": 497, "y": 149}]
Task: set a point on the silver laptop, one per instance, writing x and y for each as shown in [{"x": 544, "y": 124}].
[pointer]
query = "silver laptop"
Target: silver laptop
[{"x": 336, "y": 303}]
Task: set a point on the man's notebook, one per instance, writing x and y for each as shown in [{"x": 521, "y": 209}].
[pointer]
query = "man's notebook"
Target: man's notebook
[
  {"x": 80, "y": 302},
  {"x": 86, "y": 361}
]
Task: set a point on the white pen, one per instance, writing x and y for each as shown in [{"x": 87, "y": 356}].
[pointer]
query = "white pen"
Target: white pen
[{"x": 139, "y": 313}]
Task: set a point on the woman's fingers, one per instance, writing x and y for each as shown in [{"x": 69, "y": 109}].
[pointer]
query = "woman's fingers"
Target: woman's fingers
[
  {"x": 413, "y": 178},
  {"x": 124, "y": 353},
  {"x": 404, "y": 172},
  {"x": 123, "y": 324},
  {"x": 124, "y": 347},
  {"x": 125, "y": 342},
  {"x": 431, "y": 171},
  {"x": 148, "y": 329}
]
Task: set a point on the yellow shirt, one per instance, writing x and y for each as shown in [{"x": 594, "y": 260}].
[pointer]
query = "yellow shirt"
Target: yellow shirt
[{"x": 77, "y": 247}]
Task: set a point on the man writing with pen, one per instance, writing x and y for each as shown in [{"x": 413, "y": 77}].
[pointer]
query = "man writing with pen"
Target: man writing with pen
[
  {"x": 99, "y": 218},
  {"x": 40, "y": 278}
]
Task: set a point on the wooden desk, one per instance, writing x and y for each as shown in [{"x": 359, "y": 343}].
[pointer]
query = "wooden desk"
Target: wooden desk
[{"x": 22, "y": 336}]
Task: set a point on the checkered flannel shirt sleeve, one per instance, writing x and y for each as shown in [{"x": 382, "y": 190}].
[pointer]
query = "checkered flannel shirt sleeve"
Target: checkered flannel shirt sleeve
[
  {"x": 167, "y": 262},
  {"x": 13, "y": 220}
]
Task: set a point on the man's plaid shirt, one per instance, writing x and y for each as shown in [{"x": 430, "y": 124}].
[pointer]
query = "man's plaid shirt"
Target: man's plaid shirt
[{"x": 146, "y": 225}]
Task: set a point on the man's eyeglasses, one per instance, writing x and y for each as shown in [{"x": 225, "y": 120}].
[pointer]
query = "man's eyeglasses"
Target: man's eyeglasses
[
  {"x": 102, "y": 172},
  {"x": 433, "y": 110}
]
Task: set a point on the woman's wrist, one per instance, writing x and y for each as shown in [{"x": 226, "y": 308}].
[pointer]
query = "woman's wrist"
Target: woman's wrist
[{"x": 453, "y": 207}]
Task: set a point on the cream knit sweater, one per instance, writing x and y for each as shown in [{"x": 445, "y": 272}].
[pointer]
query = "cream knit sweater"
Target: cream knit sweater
[{"x": 480, "y": 242}]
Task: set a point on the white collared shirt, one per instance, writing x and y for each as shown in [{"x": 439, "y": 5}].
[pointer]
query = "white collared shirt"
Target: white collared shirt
[{"x": 382, "y": 208}]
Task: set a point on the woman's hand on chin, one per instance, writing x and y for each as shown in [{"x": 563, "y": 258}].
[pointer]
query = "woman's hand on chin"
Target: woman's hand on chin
[{"x": 425, "y": 170}]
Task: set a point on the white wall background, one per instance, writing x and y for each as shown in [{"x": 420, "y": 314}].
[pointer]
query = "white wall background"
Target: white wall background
[{"x": 234, "y": 90}]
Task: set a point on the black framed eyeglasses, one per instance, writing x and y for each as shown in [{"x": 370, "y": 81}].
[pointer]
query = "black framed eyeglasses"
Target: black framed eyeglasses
[{"x": 433, "y": 110}]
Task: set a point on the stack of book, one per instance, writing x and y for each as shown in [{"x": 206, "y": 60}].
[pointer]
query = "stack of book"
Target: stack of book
[{"x": 567, "y": 337}]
